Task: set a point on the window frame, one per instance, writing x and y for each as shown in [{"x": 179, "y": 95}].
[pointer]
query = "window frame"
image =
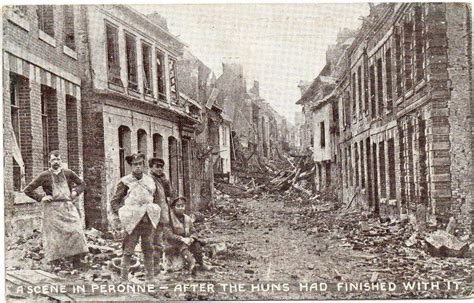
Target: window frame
[
  {"x": 70, "y": 44},
  {"x": 173, "y": 74},
  {"x": 149, "y": 80},
  {"x": 15, "y": 111},
  {"x": 45, "y": 129},
  {"x": 41, "y": 19},
  {"x": 132, "y": 84},
  {"x": 322, "y": 134},
  {"x": 113, "y": 68}
]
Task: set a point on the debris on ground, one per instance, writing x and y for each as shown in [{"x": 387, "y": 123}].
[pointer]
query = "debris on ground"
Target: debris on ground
[{"x": 443, "y": 244}]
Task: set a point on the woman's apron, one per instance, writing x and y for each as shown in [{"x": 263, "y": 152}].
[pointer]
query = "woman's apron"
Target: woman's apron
[{"x": 63, "y": 235}]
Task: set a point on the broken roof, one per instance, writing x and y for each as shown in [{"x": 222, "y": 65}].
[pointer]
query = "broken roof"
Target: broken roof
[{"x": 315, "y": 88}]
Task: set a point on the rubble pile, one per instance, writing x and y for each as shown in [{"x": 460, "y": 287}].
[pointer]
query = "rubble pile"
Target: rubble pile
[
  {"x": 295, "y": 178},
  {"x": 29, "y": 248},
  {"x": 395, "y": 248}
]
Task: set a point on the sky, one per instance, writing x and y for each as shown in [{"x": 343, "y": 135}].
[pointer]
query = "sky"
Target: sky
[{"x": 277, "y": 44}]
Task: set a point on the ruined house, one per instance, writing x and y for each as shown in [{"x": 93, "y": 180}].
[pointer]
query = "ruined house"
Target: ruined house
[
  {"x": 255, "y": 124},
  {"x": 299, "y": 122},
  {"x": 325, "y": 114},
  {"x": 130, "y": 103},
  {"x": 41, "y": 102},
  {"x": 404, "y": 103},
  {"x": 304, "y": 120},
  {"x": 198, "y": 81}
]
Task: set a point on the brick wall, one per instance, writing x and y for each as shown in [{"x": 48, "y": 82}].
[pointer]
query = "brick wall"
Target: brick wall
[
  {"x": 8, "y": 166},
  {"x": 51, "y": 65},
  {"x": 74, "y": 150},
  {"x": 459, "y": 60},
  {"x": 29, "y": 40},
  {"x": 438, "y": 126},
  {"x": 94, "y": 163}
]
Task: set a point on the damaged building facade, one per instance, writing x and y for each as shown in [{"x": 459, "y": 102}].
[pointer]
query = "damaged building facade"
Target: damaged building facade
[
  {"x": 41, "y": 102},
  {"x": 258, "y": 132},
  {"x": 401, "y": 115},
  {"x": 211, "y": 152},
  {"x": 304, "y": 120},
  {"x": 130, "y": 103}
]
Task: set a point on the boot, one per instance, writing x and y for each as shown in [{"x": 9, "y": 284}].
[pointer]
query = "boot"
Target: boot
[
  {"x": 126, "y": 260},
  {"x": 189, "y": 258},
  {"x": 156, "y": 263},
  {"x": 148, "y": 264}
]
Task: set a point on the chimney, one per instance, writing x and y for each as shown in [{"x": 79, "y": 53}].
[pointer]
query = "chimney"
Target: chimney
[
  {"x": 158, "y": 19},
  {"x": 232, "y": 65},
  {"x": 256, "y": 88}
]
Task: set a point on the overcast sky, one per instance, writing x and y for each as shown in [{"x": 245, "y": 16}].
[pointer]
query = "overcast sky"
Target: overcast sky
[{"x": 278, "y": 44}]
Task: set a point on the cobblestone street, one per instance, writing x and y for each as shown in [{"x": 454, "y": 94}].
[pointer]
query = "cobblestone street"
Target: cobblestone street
[{"x": 273, "y": 241}]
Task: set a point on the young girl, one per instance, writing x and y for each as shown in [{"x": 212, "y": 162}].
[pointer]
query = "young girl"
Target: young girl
[{"x": 180, "y": 236}]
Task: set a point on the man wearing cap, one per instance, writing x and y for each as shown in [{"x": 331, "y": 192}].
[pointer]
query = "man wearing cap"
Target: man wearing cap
[
  {"x": 159, "y": 174},
  {"x": 156, "y": 171},
  {"x": 136, "y": 204}
]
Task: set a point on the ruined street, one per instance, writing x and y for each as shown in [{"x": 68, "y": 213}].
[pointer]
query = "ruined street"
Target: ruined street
[
  {"x": 276, "y": 239},
  {"x": 238, "y": 152}
]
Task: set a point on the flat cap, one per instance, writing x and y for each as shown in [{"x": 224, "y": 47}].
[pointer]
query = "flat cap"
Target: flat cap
[
  {"x": 156, "y": 160},
  {"x": 135, "y": 158}
]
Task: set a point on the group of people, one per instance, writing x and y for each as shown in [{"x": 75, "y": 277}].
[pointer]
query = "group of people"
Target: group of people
[{"x": 144, "y": 207}]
